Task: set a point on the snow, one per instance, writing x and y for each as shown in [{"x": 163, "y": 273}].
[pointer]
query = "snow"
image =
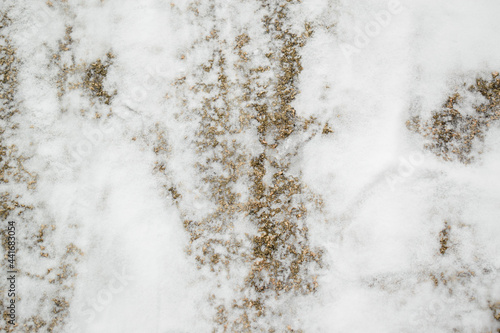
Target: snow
[{"x": 385, "y": 198}]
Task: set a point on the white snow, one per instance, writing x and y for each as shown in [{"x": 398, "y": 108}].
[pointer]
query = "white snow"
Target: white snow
[{"x": 385, "y": 198}]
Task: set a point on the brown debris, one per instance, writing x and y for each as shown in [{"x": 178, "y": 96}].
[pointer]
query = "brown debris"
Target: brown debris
[
  {"x": 279, "y": 256},
  {"x": 453, "y": 135},
  {"x": 93, "y": 81},
  {"x": 444, "y": 237}
]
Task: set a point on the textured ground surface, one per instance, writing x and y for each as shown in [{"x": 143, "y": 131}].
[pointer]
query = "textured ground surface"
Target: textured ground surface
[{"x": 251, "y": 165}]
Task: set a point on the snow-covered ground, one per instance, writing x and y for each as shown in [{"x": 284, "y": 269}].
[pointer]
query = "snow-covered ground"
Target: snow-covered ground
[{"x": 246, "y": 165}]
